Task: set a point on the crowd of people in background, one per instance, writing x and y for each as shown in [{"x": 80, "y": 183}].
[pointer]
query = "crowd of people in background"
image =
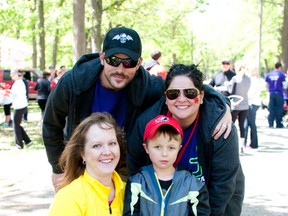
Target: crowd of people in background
[
  {"x": 16, "y": 97},
  {"x": 242, "y": 83}
]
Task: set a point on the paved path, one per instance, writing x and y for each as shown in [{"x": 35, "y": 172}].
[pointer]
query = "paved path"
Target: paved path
[
  {"x": 25, "y": 186},
  {"x": 266, "y": 172}
]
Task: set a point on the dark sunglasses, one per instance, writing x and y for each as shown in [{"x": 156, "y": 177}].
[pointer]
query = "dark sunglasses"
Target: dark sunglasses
[
  {"x": 225, "y": 63},
  {"x": 190, "y": 93},
  {"x": 115, "y": 62}
]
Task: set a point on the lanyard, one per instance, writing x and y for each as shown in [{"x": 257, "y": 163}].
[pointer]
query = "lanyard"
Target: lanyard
[{"x": 182, "y": 150}]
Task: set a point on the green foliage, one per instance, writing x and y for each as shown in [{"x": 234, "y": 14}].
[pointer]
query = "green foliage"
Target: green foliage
[
  {"x": 13, "y": 18},
  {"x": 273, "y": 21},
  {"x": 179, "y": 28}
]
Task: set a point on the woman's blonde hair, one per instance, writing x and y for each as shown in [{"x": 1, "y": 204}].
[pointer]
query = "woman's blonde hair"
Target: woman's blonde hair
[
  {"x": 253, "y": 70},
  {"x": 71, "y": 161}
]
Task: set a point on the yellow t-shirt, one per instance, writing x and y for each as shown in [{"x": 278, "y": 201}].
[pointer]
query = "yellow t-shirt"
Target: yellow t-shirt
[{"x": 87, "y": 196}]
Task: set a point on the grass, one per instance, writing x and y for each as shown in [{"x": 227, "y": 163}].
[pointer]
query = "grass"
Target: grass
[{"x": 34, "y": 131}]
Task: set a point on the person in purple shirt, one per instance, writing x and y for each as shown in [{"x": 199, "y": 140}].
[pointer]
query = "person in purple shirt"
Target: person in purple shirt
[
  {"x": 285, "y": 95},
  {"x": 275, "y": 80}
]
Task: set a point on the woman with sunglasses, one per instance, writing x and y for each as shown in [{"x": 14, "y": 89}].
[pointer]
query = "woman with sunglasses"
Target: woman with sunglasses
[{"x": 216, "y": 162}]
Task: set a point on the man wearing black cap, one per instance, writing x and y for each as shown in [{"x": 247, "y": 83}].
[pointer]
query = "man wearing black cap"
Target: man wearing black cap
[
  {"x": 220, "y": 79},
  {"x": 110, "y": 81}
]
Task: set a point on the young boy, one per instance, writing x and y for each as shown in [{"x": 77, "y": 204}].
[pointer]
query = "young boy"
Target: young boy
[{"x": 159, "y": 188}]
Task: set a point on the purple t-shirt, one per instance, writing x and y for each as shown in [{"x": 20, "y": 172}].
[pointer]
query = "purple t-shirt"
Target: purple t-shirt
[
  {"x": 190, "y": 160},
  {"x": 275, "y": 79},
  {"x": 285, "y": 92},
  {"x": 113, "y": 102}
]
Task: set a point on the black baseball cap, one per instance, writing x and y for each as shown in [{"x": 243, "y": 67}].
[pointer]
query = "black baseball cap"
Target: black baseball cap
[{"x": 122, "y": 40}]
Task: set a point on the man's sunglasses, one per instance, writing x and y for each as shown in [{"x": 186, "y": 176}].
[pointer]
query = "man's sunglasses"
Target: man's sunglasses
[
  {"x": 115, "y": 62},
  {"x": 190, "y": 93},
  {"x": 225, "y": 63}
]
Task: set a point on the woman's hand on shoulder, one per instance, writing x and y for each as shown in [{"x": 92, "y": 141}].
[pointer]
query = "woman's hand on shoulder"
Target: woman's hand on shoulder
[{"x": 224, "y": 125}]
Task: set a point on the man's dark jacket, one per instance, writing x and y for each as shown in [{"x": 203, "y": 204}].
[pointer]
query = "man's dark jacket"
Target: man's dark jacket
[{"x": 71, "y": 101}]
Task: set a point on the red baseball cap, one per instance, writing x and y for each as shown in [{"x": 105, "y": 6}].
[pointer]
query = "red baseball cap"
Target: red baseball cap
[{"x": 153, "y": 125}]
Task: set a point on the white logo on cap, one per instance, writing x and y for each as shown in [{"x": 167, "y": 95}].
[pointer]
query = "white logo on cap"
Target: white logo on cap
[
  {"x": 122, "y": 37},
  {"x": 161, "y": 119}
]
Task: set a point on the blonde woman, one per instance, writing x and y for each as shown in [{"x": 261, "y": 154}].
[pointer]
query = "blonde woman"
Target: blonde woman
[
  {"x": 239, "y": 86},
  {"x": 91, "y": 185},
  {"x": 254, "y": 101}
]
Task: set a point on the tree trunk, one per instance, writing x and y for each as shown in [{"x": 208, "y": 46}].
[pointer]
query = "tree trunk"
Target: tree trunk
[
  {"x": 284, "y": 39},
  {"x": 34, "y": 45},
  {"x": 96, "y": 37},
  {"x": 78, "y": 29},
  {"x": 260, "y": 12},
  {"x": 266, "y": 69},
  {"x": 41, "y": 34},
  {"x": 55, "y": 45},
  {"x": 174, "y": 57},
  {"x": 56, "y": 37},
  {"x": 34, "y": 38}
]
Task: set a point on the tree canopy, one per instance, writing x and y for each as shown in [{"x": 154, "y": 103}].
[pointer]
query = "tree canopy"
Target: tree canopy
[{"x": 190, "y": 31}]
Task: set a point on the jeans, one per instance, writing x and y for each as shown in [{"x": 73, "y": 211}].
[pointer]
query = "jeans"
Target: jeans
[
  {"x": 25, "y": 115},
  {"x": 42, "y": 105},
  {"x": 19, "y": 132},
  {"x": 276, "y": 110},
  {"x": 251, "y": 122},
  {"x": 241, "y": 115}
]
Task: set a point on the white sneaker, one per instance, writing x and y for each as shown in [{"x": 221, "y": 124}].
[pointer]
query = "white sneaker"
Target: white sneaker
[
  {"x": 29, "y": 144},
  {"x": 19, "y": 147}
]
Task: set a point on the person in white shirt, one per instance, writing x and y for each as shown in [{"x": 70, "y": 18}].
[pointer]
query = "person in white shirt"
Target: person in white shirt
[{"x": 19, "y": 103}]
